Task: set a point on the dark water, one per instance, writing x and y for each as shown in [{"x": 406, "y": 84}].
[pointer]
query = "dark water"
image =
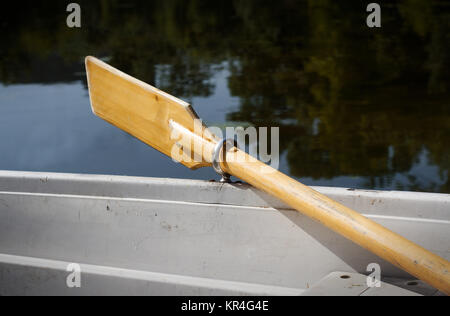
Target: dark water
[{"x": 356, "y": 107}]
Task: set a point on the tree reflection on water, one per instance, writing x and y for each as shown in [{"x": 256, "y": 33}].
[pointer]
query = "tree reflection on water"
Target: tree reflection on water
[{"x": 350, "y": 101}]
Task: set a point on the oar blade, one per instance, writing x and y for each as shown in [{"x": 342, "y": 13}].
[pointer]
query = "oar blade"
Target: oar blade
[{"x": 138, "y": 108}]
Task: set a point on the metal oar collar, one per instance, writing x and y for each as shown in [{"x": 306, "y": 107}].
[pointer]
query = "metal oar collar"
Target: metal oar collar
[{"x": 219, "y": 155}]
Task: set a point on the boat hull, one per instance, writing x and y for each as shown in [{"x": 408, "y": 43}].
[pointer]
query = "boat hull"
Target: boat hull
[{"x": 183, "y": 237}]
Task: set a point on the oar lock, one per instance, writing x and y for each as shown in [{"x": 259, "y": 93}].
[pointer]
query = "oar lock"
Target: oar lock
[{"x": 218, "y": 155}]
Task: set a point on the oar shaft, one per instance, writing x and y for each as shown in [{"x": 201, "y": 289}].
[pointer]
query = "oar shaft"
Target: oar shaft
[{"x": 388, "y": 245}]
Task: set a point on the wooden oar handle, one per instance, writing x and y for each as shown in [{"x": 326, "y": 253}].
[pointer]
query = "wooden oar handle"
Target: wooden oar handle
[{"x": 388, "y": 245}]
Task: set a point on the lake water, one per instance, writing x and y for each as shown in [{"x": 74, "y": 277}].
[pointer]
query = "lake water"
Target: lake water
[{"x": 356, "y": 107}]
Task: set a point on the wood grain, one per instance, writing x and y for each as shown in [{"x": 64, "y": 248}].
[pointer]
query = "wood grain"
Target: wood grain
[
  {"x": 138, "y": 108},
  {"x": 388, "y": 245}
]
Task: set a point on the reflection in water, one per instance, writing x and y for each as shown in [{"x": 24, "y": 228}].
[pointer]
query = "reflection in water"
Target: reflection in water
[{"x": 356, "y": 106}]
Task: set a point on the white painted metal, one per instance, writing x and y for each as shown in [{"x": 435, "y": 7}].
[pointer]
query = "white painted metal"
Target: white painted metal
[
  {"x": 49, "y": 277},
  {"x": 353, "y": 284},
  {"x": 224, "y": 234}
]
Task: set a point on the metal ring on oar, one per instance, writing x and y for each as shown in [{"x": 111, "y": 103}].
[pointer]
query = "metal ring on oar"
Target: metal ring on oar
[{"x": 219, "y": 152}]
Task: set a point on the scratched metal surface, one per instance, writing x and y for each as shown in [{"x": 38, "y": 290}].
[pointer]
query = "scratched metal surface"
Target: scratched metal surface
[{"x": 223, "y": 232}]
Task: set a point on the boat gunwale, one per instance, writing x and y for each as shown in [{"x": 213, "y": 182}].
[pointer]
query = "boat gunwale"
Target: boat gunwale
[{"x": 426, "y": 206}]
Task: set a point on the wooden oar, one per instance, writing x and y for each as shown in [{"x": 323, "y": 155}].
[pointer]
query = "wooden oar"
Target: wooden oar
[{"x": 168, "y": 124}]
